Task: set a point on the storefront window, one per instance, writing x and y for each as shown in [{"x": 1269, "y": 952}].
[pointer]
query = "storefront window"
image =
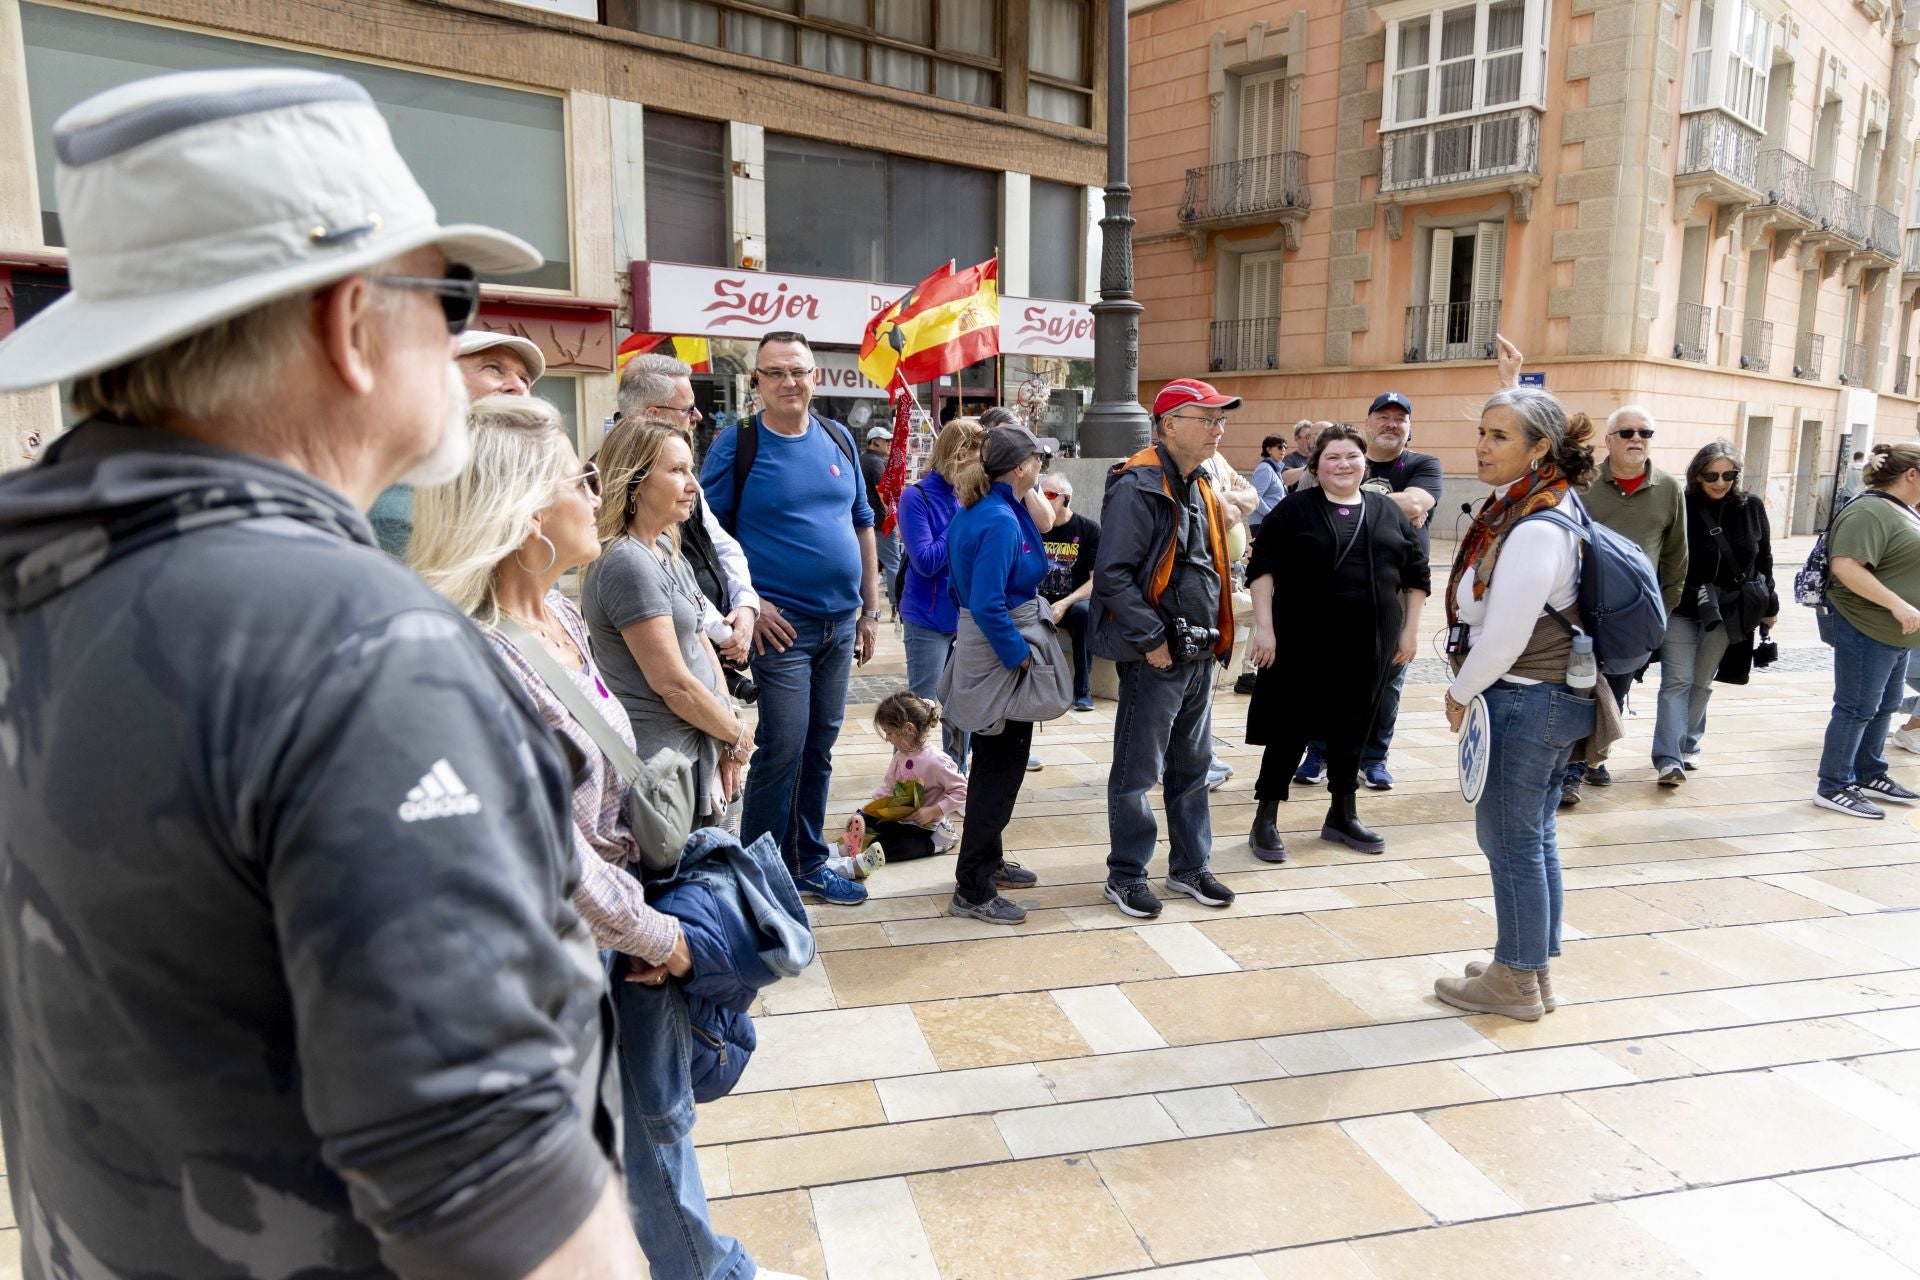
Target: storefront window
[
  {"x": 452, "y": 133},
  {"x": 937, "y": 212},
  {"x": 1056, "y": 260},
  {"x": 686, "y": 190},
  {"x": 862, "y": 215}
]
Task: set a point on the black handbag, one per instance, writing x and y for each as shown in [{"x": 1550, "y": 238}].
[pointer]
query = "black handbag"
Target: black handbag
[{"x": 1742, "y": 606}]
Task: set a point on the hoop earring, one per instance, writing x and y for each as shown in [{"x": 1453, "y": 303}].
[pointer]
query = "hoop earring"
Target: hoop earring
[{"x": 553, "y": 556}]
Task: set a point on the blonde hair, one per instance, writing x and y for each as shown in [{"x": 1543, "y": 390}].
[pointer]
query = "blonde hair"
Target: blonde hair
[
  {"x": 464, "y": 531},
  {"x": 626, "y": 456},
  {"x": 947, "y": 446}
]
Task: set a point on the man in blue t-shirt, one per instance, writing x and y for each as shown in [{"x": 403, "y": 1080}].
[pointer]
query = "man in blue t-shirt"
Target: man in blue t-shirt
[{"x": 800, "y": 513}]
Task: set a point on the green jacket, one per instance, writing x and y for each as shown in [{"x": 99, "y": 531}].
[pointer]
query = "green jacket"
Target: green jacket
[{"x": 1654, "y": 515}]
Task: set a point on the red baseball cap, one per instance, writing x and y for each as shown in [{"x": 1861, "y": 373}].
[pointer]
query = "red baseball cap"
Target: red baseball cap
[{"x": 1184, "y": 391}]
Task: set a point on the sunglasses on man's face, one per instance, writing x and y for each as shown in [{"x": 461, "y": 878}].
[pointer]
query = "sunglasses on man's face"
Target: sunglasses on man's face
[
  {"x": 1628, "y": 433},
  {"x": 458, "y": 291},
  {"x": 1719, "y": 477}
]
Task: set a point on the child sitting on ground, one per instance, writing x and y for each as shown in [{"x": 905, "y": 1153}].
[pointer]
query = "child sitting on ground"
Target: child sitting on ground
[{"x": 906, "y": 819}]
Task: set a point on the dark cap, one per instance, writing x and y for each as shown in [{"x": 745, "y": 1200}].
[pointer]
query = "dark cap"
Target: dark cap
[
  {"x": 1390, "y": 399},
  {"x": 1006, "y": 448}
]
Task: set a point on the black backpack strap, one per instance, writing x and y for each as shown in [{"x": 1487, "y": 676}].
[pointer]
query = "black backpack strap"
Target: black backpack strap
[{"x": 746, "y": 447}]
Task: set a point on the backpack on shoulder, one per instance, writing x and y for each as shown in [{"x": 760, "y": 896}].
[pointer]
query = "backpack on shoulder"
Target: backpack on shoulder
[
  {"x": 1816, "y": 575},
  {"x": 746, "y": 447},
  {"x": 1618, "y": 597}
]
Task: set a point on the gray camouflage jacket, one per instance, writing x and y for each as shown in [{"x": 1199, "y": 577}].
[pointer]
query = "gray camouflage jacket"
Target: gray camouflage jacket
[{"x": 289, "y": 981}]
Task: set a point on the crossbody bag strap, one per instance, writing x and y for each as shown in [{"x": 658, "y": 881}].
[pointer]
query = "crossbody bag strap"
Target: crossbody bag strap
[
  {"x": 1726, "y": 549},
  {"x": 618, "y": 753}
]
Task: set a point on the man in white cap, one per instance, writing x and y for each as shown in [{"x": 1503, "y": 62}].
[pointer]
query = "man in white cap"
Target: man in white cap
[{"x": 290, "y": 978}]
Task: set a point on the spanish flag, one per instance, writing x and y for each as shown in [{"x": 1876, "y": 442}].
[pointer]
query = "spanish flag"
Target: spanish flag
[
  {"x": 694, "y": 351},
  {"x": 946, "y": 322}
]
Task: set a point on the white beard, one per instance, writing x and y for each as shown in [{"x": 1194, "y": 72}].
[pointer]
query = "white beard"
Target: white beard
[{"x": 448, "y": 458}]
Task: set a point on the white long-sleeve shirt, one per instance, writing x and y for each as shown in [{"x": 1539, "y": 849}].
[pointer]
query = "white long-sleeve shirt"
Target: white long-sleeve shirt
[
  {"x": 733, "y": 561},
  {"x": 1539, "y": 565}
]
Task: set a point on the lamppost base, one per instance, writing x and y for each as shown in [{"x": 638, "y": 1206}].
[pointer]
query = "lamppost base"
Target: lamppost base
[{"x": 1116, "y": 424}]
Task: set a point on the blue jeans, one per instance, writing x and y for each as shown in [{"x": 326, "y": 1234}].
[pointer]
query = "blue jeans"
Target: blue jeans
[
  {"x": 1688, "y": 658},
  {"x": 803, "y": 697},
  {"x": 665, "y": 1197},
  {"x": 1163, "y": 732},
  {"x": 1867, "y": 679},
  {"x": 927, "y": 653},
  {"x": 1079, "y": 629},
  {"x": 1534, "y": 728},
  {"x": 889, "y": 549}
]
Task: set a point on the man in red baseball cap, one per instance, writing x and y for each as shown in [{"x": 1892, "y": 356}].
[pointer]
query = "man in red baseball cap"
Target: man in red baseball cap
[{"x": 1162, "y": 597}]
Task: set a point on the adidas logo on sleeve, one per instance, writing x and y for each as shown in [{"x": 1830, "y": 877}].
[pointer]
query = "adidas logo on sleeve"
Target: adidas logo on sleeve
[{"x": 440, "y": 794}]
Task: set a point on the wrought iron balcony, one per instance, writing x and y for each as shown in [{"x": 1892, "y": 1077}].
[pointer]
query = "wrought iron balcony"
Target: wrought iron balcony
[
  {"x": 1807, "y": 356},
  {"x": 1715, "y": 145},
  {"x": 1910, "y": 264},
  {"x": 1883, "y": 233},
  {"x": 1841, "y": 211},
  {"x": 1452, "y": 331},
  {"x": 1853, "y": 364},
  {"x": 1244, "y": 344},
  {"x": 1785, "y": 182},
  {"x": 1504, "y": 144},
  {"x": 1902, "y": 370},
  {"x": 1692, "y": 331},
  {"x": 1245, "y": 190},
  {"x": 1756, "y": 346}
]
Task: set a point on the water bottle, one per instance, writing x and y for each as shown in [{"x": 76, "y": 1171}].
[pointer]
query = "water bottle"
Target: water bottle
[{"x": 1581, "y": 669}]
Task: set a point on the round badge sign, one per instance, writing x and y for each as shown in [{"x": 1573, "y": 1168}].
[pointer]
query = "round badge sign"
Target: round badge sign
[{"x": 1476, "y": 748}]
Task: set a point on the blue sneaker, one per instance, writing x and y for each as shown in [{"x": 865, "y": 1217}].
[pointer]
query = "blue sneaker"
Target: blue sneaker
[
  {"x": 1310, "y": 769},
  {"x": 1083, "y": 704},
  {"x": 829, "y": 886},
  {"x": 1376, "y": 777}
]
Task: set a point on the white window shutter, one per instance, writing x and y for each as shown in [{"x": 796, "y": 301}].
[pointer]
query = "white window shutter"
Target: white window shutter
[
  {"x": 1259, "y": 301},
  {"x": 1489, "y": 265},
  {"x": 1263, "y": 132},
  {"x": 1439, "y": 270}
]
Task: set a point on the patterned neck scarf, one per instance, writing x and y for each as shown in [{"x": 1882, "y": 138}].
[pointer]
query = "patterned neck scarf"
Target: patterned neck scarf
[{"x": 1533, "y": 492}]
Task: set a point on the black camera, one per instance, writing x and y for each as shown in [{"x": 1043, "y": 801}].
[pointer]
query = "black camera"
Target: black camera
[
  {"x": 740, "y": 684},
  {"x": 1185, "y": 642}
]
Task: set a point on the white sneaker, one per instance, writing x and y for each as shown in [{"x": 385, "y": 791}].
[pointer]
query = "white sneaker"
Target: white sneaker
[
  {"x": 944, "y": 836},
  {"x": 1907, "y": 740},
  {"x": 761, "y": 1273},
  {"x": 1691, "y": 760}
]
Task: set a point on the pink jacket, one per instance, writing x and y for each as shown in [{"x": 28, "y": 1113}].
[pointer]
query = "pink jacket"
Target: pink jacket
[{"x": 940, "y": 779}]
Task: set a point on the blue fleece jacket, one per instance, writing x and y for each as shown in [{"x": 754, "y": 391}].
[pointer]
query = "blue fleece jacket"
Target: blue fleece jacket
[
  {"x": 926, "y": 510},
  {"x": 997, "y": 562}
]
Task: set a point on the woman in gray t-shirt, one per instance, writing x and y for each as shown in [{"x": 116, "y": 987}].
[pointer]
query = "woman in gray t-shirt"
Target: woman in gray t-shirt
[{"x": 643, "y": 610}]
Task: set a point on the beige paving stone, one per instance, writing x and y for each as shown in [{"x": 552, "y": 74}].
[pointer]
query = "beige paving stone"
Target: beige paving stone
[
  {"x": 1107, "y": 1020},
  {"x": 778, "y": 1230},
  {"x": 836, "y": 1046},
  {"x": 1389, "y": 990},
  {"x": 1339, "y": 1261},
  {"x": 1772, "y": 1043},
  {"x": 1707, "y": 1129},
  {"x": 1861, "y": 1097},
  {"x": 1547, "y": 1153},
  {"x": 808, "y": 992},
  {"x": 846, "y": 937},
  {"x": 1902, "y": 1177},
  {"x": 1886, "y": 886},
  {"x": 1085, "y": 1126},
  {"x": 992, "y": 1030},
  {"x": 991, "y": 967},
  {"x": 1899, "y": 1072},
  {"x": 853, "y": 1155},
  {"x": 946, "y": 928},
  {"x": 1241, "y": 1006},
  {"x": 1157, "y": 1070},
  {"x": 871, "y": 1231},
  {"x": 956, "y": 1093},
  {"x": 1272, "y": 942},
  {"x": 1605, "y": 912},
  {"x": 1651, "y": 1059},
  {"x": 1535, "y": 1071},
  {"x": 1214, "y": 1269},
  {"x": 1891, "y": 932},
  {"x": 1754, "y": 953},
  {"x": 1427, "y": 1168},
  {"x": 1336, "y": 1096},
  {"x": 1415, "y": 928},
  {"x": 1728, "y": 901},
  {"x": 1612, "y": 1020},
  {"x": 1201, "y": 1113},
  {"x": 1068, "y": 1223},
  {"x": 1841, "y": 900},
  {"x": 739, "y": 1117},
  {"x": 1758, "y": 1229},
  {"x": 1187, "y": 951},
  {"x": 1380, "y": 1045},
  {"x": 1593, "y": 1242},
  {"x": 1639, "y": 965},
  {"x": 1864, "y": 1207}
]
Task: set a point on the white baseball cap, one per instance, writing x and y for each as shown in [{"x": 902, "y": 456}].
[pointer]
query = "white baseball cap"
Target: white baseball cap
[
  {"x": 528, "y": 350},
  {"x": 190, "y": 198}
]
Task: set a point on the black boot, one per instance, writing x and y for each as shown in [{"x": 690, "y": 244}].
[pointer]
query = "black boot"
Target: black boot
[
  {"x": 1265, "y": 837},
  {"x": 1343, "y": 827}
]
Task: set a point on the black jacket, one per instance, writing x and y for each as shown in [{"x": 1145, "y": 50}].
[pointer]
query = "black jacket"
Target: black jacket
[
  {"x": 1745, "y": 528},
  {"x": 1140, "y": 521}
]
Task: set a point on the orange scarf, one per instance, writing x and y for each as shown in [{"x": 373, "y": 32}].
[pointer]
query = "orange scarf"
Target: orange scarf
[{"x": 1534, "y": 492}]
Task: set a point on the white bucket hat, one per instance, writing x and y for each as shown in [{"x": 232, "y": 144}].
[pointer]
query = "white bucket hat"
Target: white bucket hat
[
  {"x": 528, "y": 350},
  {"x": 190, "y": 198}
]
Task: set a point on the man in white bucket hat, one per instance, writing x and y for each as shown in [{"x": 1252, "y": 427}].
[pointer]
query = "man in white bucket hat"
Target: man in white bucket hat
[{"x": 288, "y": 976}]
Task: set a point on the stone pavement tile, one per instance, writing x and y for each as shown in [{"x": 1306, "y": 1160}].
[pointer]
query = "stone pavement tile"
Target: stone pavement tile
[
  {"x": 1028, "y": 1220},
  {"x": 1891, "y": 932},
  {"x": 1758, "y": 1229},
  {"x": 1445, "y": 888},
  {"x": 1201, "y": 1113},
  {"x": 1187, "y": 951},
  {"x": 1897, "y": 1026},
  {"x": 1197, "y": 1066},
  {"x": 1592, "y": 1242},
  {"x": 778, "y": 1230},
  {"x": 1899, "y": 1072},
  {"x": 1337, "y": 1261},
  {"x": 991, "y": 967},
  {"x": 988, "y": 1031},
  {"x": 1342, "y": 1094},
  {"x": 1248, "y": 1202},
  {"x": 871, "y": 1231},
  {"x": 715, "y": 1176},
  {"x": 1382, "y": 1045},
  {"x": 1860, "y": 1096},
  {"x": 808, "y": 992},
  {"x": 958, "y": 1093},
  {"x": 1864, "y": 1207},
  {"x": 1822, "y": 997},
  {"x": 836, "y": 1046},
  {"x": 1604, "y": 912},
  {"x": 1756, "y": 953},
  {"x": 1536, "y": 1071},
  {"x": 1085, "y": 1126},
  {"x": 1273, "y": 942},
  {"x": 1817, "y": 886},
  {"x": 1649, "y": 1059},
  {"x": 1612, "y": 1020},
  {"x": 780, "y": 1113},
  {"x": 1722, "y": 1128},
  {"x": 1213, "y": 1269},
  {"x": 1241, "y": 1006},
  {"x": 1389, "y": 990},
  {"x": 945, "y": 928},
  {"x": 1902, "y": 1177},
  {"x": 1107, "y": 1020},
  {"x": 847, "y": 937},
  {"x": 1436, "y": 1175},
  {"x": 1415, "y": 928},
  {"x": 1546, "y": 1153},
  {"x": 1772, "y": 1043},
  {"x": 850, "y": 1155},
  {"x": 1633, "y": 965},
  {"x": 1728, "y": 901}
]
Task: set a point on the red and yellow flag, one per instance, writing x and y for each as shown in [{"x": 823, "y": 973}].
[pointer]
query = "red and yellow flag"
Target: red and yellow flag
[
  {"x": 694, "y": 351},
  {"x": 946, "y": 322}
]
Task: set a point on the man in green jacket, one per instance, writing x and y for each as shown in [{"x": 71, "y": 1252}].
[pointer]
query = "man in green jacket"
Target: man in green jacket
[{"x": 1633, "y": 497}]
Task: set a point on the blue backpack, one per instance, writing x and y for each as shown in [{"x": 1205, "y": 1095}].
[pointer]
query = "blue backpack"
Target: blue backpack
[{"x": 1619, "y": 597}]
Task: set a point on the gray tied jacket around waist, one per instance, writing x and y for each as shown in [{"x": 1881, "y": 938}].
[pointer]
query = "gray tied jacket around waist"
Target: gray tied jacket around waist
[{"x": 979, "y": 694}]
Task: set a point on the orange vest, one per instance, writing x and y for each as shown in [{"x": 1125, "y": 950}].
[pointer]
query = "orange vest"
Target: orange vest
[{"x": 1216, "y": 543}]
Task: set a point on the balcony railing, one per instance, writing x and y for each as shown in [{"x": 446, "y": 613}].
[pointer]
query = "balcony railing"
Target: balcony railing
[
  {"x": 1902, "y": 370},
  {"x": 1692, "y": 331},
  {"x": 1244, "y": 344},
  {"x": 1841, "y": 210},
  {"x": 1714, "y": 142},
  {"x": 1461, "y": 151},
  {"x": 1452, "y": 331},
  {"x": 1883, "y": 234},
  {"x": 1756, "y": 346},
  {"x": 1911, "y": 263},
  {"x": 1242, "y": 187},
  {"x": 1807, "y": 356},
  {"x": 1785, "y": 181},
  {"x": 1853, "y": 363}
]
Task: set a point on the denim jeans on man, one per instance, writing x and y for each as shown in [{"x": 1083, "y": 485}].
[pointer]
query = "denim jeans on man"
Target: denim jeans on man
[
  {"x": 1163, "y": 732},
  {"x": 1534, "y": 728},
  {"x": 887, "y": 546},
  {"x": 1688, "y": 658},
  {"x": 665, "y": 1197},
  {"x": 803, "y": 697},
  {"x": 927, "y": 653},
  {"x": 1078, "y": 625},
  {"x": 1621, "y": 685},
  {"x": 1867, "y": 679}
]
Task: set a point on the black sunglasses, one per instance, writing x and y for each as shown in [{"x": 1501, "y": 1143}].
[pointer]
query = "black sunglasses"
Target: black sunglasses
[
  {"x": 1628, "y": 433},
  {"x": 458, "y": 291},
  {"x": 1715, "y": 477}
]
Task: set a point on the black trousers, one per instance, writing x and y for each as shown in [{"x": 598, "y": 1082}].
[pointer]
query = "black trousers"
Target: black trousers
[
  {"x": 998, "y": 767},
  {"x": 1346, "y": 736},
  {"x": 903, "y": 841}
]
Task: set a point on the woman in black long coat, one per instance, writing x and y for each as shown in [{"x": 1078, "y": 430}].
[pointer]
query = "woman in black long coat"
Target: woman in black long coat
[{"x": 1338, "y": 579}]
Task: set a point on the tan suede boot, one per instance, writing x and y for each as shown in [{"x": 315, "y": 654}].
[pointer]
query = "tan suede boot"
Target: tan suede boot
[
  {"x": 1513, "y": 993},
  {"x": 1477, "y": 967}
]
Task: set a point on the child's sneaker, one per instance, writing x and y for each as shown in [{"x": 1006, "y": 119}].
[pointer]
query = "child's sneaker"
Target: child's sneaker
[
  {"x": 860, "y": 865},
  {"x": 944, "y": 836}
]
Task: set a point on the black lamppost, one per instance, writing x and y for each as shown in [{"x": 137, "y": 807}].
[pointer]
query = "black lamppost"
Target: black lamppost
[{"x": 1116, "y": 424}]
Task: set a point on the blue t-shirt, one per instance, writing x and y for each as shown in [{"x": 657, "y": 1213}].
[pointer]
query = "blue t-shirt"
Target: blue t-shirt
[
  {"x": 800, "y": 510},
  {"x": 996, "y": 559}
]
